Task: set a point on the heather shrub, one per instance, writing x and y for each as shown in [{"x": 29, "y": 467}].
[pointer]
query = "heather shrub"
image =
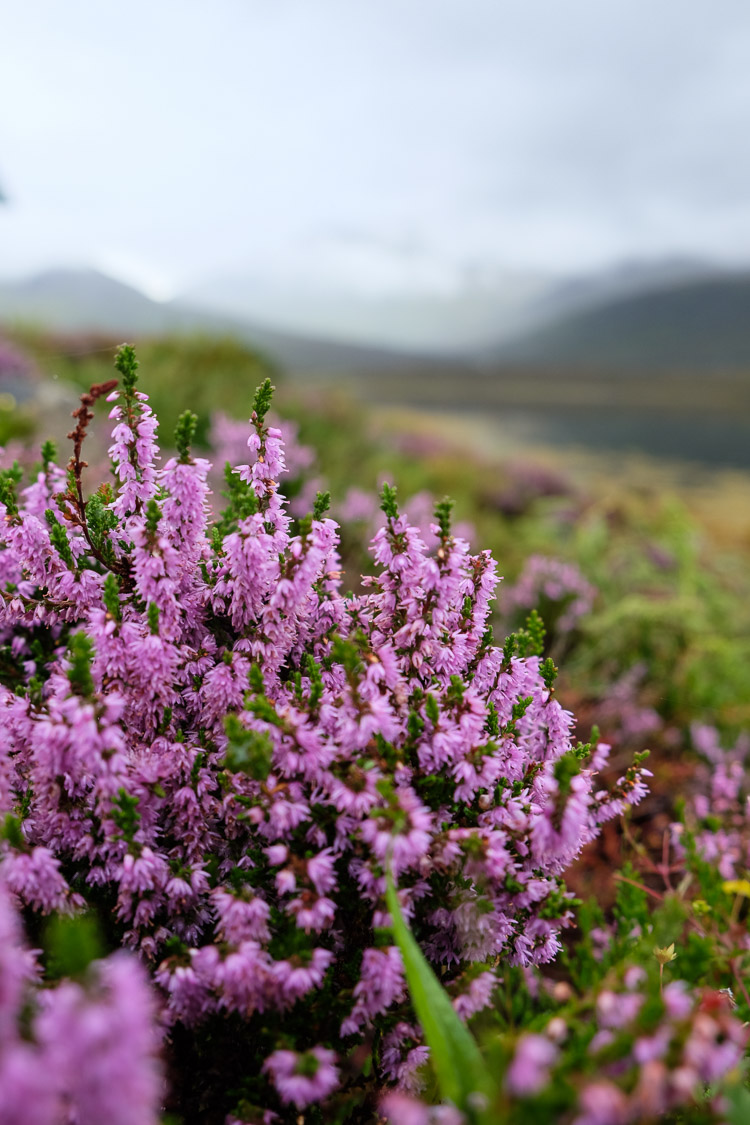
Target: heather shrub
[
  {"x": 557, "y": 590},
  {"x": 81, "y": 1049},
  {"x": 207, "y": 740}
]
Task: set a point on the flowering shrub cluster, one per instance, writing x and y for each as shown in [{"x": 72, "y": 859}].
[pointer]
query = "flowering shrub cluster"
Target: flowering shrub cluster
[
  {"x": 13, "y": 363},
  {"x": 635, "y": 1030},
  {"x": 719, "y": 814},
  {"x": 359, "y": 514},
  {"x": 299, "y": 484},
  {"x": 628, "y": 1056},
  {"x": 206, "y": 739},
  {"x": 558, "y": 589},
  {"x": 622, "y": 712},
  {"x": 83, "y": 1051}
]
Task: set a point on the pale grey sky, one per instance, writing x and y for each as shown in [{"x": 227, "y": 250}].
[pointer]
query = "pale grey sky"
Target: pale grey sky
[{"x": 387, "y": 145}]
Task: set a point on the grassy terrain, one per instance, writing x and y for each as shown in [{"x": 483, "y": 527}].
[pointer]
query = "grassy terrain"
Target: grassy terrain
[{"x": 700, "y": 417}]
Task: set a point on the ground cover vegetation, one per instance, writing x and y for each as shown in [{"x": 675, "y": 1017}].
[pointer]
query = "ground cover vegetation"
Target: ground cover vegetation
[{"x": 284, "y": 843}]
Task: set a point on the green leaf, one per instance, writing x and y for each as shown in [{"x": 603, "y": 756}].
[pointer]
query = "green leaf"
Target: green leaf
[
  {"x": 72, "y": 943},
  {"x": 81, "y": 655},
  {"x": 461, "y": 1074},
  {"x": 738, "y": 1098},
  {"x": 248, "y": 751}
]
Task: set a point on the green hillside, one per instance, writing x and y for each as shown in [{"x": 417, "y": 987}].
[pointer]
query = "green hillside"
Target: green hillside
[{"x": 695, "y": 326}]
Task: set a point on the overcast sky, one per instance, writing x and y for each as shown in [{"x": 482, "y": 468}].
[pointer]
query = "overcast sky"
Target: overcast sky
[{"x": 383, "y": 144}]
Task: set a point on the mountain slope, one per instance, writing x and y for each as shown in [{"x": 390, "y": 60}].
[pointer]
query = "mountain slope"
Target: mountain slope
[
  {"x": 75, "y": 300},
  {"x": 89, "y": 301},
  {"x": 699, "y": 325}
]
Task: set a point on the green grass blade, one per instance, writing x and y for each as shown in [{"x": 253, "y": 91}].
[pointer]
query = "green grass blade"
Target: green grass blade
[{"x": 458, "y": 1065}]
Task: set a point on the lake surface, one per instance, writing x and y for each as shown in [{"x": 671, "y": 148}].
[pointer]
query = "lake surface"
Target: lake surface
[{"x": 716, "y": 440}]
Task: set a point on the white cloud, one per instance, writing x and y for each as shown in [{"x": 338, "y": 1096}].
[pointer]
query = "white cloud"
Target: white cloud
[{"x": 182, "y": 140}]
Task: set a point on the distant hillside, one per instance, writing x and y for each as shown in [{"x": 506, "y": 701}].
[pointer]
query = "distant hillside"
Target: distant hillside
[
  {"x": 79, "y": 300},
  {"x": 701, "y": 325},
  {"x": 586, "y": 291},
  {"x": 631, "y": 321},
  {"x": 89, "y": 301},
  {"x": 481, "y": 308}
]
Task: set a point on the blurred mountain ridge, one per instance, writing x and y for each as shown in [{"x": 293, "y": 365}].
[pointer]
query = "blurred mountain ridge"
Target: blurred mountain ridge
[
  {"x": 87, "y": 300},
  {"x": 672, "y": 316},
  {"x": 692, "y": 324}
]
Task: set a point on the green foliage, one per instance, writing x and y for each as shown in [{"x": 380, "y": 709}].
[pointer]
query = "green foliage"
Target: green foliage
[
  {"x": 9, "y": 480},
  {"x": 631, "y": 908},
  {"x": 530, "y": 640},
  {"x": 443, "y": 511},
  {"x": 738, "y": 1111},
  {"x": 255, "y": 678},
  {"x": 59, "y": 539},
  {"x": 322, "y": 504},
  {"x": 241, "y": 501},
  {"x": 548, "y": 671},
  {"x": 71, "y": 944},
  {"x": 80, "y": 656},
  {"x": 111, "y": 596},
  {"x": 125, "y": 814},
  {"x": 101, "y": 520},
  {"x": 184, "y": 434},
  {"x": 127, "y": 365},
  {"x": 262, "y": 401},
  {"x": 12, "y": 831},
  {"x": 565, "y": 769},
  {"x": 153, "y": 515},
  {"x": 316, "y": 680},
  {"x": 49, "y": 454},
  {"x": 16, "y": 424},
  {"x": 388, "y": 501},
  {"x": 247, "y": 751}
]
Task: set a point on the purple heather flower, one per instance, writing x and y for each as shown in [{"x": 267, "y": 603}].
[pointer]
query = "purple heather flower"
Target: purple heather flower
[
  {"x": 602, "y": 1103},
  {"x": 35, "y": 877},
  {"x": 381, "y": 982},
  {"x": 528, "y": 1073},
  {"x": 477, "y": 996},
  {"x": 559, "y": 582},
  {"x": 615, "y": 1010},
  {"x": 303, "y": 1078},
  {"x": 402, "y": 1109},
  {"x": 29, "y": 1093},
  {"x": 102, "y": 1043},
  {"x": 677, "y": 1000}
]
